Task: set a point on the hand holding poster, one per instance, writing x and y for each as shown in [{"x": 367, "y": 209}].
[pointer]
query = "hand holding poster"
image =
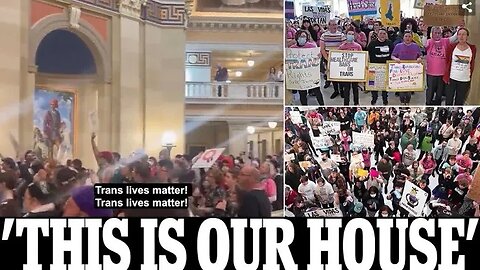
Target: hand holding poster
[
  {"x": 413, "y": 199},
  {"x": 208, "y": 158},
  {"x": 302, "y": 68},
  {"x": 322, "y": 142},
  {"x": 405, "y": 76},
  {"x": 330, "y": 128},
  {"x": 362, "y": 7},
  {"x": 347, "y": 66},
  {"x": 363, "y": 139},
  {"x": 377, "y": 77},
  {"x": 296, "y": 117},
  {"x": 315, "y": 12}
]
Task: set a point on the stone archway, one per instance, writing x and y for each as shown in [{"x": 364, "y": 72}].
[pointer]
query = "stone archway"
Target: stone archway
[
  {"x": 86, "y": 32},
  {"x": 93, "y": 92}
]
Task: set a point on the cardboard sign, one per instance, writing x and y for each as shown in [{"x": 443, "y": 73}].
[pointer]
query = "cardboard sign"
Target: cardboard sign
[
  {"x": 319, "y": 212},
  {"x": 302, "y": 68},
  {"x": 322, "y": 14},
  {"x": 390, "y": 12},
  {"x": 377, "y": 77},
  {"x": 443, "y": 15},
  {"x": 363, "y": 139},
  {"x": 405, "y": 76},
  {"x": 208, "y": 158},
  {"x": 420, "y": 4},
  {"x": 413, "y": 199},
  {"x": 322, "y": 142},
  {"x": 330, "y": 128},
  {"x": 296, "y": 117},
  {"x": 362, "y": 7},
  {"x": 347, "y": 66}
]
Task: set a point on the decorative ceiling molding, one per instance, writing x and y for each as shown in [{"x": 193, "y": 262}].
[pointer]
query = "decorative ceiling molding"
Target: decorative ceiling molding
[
  {"x": 131, "y": 8},
  {"x": 234, "y": 27},
  {"x": 198, "y": 59}
]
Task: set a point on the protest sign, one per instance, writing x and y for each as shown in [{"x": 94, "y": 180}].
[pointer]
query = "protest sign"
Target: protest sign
[
  {"x": 362, "y": 7},
  {"x": 357, "y": 158},
  {"x": 377, "y": 77},
  {"x": 390, "y": 12},
  {"x": 289, "y": 157},
  {"x": 305, "y": 164},
  {"x": 347, "y": 66},
  {"x": 413, "y": 199},
  {"x": 336, "y": 158},
  {"x": 363, "y": 139},
  {"x": 208, "y": 158},
  {"x": 296, "y": 117},
  {"x": 321, "y": 13},
  {"x": 327, "y": 212},
  {"x": 420, "y": 4},
  {"x": 443, "y": 15},
  {"x": 405, "y": 76},
  {"x": 302, "y": 68},
  {"x": 322, "y": 142},
  {"x": 330, "y": 128}
]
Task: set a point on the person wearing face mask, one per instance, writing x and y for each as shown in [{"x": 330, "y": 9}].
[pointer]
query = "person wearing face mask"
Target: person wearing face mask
[
  {"x": 407, "y": 50},
  {"x": 350, "y": 45},
  {"x": 373, "y": 201},
  {"x": 373, "y": 35},
  {"x": 379, "y": 52},
  {"x": 331, "y": 40},
  {"x": 384, "y": 212},
  {"x": 460, "y": 64},
  {"x": 396, "y": 195},
  {"x": 304, "y": 40},
  {"x": 436, "y": 61}
]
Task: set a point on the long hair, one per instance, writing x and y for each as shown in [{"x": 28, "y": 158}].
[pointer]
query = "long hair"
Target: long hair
[{"x": 411, "y": 21}]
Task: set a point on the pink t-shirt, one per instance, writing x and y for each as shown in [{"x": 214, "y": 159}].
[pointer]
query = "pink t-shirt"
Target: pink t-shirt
[
  {"x": 291, "y": 33},
  {"x": 306, "y": 46},
  {"x": 436, "y": 60},
  {"x": 350, "y": 46},
  {"x": 269, "y": 187}
]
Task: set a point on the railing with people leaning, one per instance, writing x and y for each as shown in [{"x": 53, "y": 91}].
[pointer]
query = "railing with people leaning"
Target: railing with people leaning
[{"x": 244, "y": 92}]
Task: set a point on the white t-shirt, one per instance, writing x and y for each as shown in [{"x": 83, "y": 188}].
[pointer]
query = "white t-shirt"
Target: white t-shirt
[
  {"x": 307, "y": 190},
  {"x": 460, "y": 70}
]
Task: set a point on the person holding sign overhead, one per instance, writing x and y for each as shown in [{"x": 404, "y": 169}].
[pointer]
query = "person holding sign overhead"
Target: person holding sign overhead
[
  {"x": 304, "y": 40},
  {"x": 459, "y": 68},
  {"x": 350, "y": 45},
  {"x": 380, "y": 51},
  {"x": 407, "y": 50}
]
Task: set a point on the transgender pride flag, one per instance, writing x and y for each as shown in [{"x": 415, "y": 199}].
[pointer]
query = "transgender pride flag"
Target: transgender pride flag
[{"x": 289, "y": 10}]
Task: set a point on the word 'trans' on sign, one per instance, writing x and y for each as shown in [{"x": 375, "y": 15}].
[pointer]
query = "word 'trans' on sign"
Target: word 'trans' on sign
[
  {"x": 302, "y": 68},
  {"x": 377, "y": 77},
  {"x": 347, "y": 66},
  {"x": 405, "y": 76}
]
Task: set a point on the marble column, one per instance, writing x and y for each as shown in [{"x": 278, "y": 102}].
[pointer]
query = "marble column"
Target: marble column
[
  {"x": 10, "y": 73},
  {"x": 473, "y": 23},
  {"x": 164, "y": 68}
]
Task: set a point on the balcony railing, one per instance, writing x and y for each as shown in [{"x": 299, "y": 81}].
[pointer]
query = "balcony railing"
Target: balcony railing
[{"x": 254, "y": 92}]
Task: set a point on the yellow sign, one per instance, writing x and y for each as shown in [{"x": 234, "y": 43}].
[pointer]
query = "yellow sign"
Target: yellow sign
[{"x": 390, "y": 12}]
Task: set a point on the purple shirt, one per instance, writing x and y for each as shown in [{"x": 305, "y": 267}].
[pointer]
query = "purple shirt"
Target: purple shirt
[{"x": 407, "y": 52}]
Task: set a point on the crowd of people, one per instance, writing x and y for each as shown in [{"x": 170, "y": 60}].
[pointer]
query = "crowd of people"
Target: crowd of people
[
  {"x": 435, "y": 149},
  {"x": 445, "y": 51},
  {"x": 233, "y": 187}
]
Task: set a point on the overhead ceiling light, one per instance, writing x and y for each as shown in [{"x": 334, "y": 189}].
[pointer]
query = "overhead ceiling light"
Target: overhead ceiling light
[
  {"x": 250, "y": 63},
  {"x": 250, "y": 129},
  {"x": 272, "y": 124},
  {"x": 238, "y": 74}
]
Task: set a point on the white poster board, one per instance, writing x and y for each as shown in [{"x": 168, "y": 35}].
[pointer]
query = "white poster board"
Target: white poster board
[
  {"x": 319, "y": 212},
  {"x": 322, "y": 142},
  {"x": 347, "y": 66},
  {"x": 296, "y": 117},
  {"x": 363, "y": 139},
  {"x": 289, "y": 157},
  {"x": 357, "y": 158},
  {"x": 321, "y": 13},
  {"x": 93, "y": 121},
  {"x": 330, "y": 128},
  {"x": 302, "y": 68},
  {"x": 413, "y": 199},
  {"x": 336, "y": 158},
  {"x": 208, "y": 158},
  {"x": 406, "y": 76}
]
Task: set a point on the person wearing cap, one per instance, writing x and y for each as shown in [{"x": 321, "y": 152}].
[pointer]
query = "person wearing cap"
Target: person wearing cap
[
  {"x": 81, "y": 203},
  {"x": 357, "y": 211},
  {"x": 105, "y": 162}
]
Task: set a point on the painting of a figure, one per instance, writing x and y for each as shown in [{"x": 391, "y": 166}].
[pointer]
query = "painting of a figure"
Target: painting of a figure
[
  {"x": 53, "y": 123},
  {"x": 252, "y": 6}
]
